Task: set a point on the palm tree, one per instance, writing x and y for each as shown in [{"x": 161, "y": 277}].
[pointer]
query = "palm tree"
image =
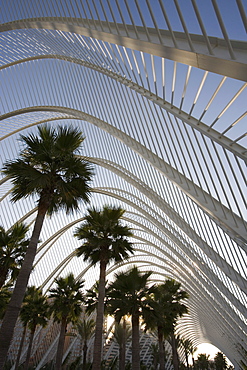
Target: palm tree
[
  {"x": 175, "y": 342},
  {"x": 192, "y": 350},
  {"x": 128, "y": 296},
  {"x": 17, "y": 361},
  {"x": 166, "y": 302},
  {"x": 86, "y": 329},
  {"x": 66, "y": 308},
  {"x": 121, "y": 334},
  {"x": 220, "y": 362},
  {"x": 155, "y": 354},
  {"x": 186, "y": 344},
  {"x": 50, "y": 169},
  {"x": 13, "y": 246},
  {"x": 105, "y": 241},
  {"x": 92, "y": 297},
  {"x": 202, "y": 361},
  {"x": 34, "y": 312}
]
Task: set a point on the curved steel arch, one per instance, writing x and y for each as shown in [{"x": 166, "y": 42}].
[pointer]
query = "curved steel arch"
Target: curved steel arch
[
  {"x": 176, "y": 111},
  {"x": 198, "y": 125},
  {"x": 232, "y": 224},
  {"x": 233, "y": 66}
]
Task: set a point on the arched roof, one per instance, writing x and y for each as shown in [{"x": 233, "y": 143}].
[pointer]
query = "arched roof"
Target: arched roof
[{"x": 159, "y": 90}]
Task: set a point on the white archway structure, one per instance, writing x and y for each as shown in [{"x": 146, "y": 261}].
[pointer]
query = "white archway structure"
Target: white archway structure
[{"x": 160, "y": 94}]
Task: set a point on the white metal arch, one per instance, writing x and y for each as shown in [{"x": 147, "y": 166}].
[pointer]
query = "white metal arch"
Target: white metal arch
[
  {"x": 233, "y": 65},
  {"x": 235, "y": 226},
  {"x": 176, "y": 111}
]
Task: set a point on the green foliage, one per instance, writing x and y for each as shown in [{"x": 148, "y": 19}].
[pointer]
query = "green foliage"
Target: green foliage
[
  {"x": 155, "y": 354},
  {"x": 13, "y": 246},
  {"x": 128, "y": 294},
  {"x": 86, "y": 328},
  {"x": 34, "y": 312},
  {"x": 122, "y": 332},
  {"x": 35, "y": 308},
  {"x": 105, "y": 239},
  {"x": 167, "y": 301},
  {"x": 91, "y": 298},
  {"x": 66, "y": 307},
  {"x": 188, "y": 348},
  {"x": 202, "y": 362},
  {"x": 49, "y": 168},
  {"x": 220, "y": 361},
  {"x": 67, "y": 299},
  {"x": 5, "y": 295}
]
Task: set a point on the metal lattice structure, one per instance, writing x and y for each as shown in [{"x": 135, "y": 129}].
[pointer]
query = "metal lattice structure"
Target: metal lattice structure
[{"x": 158, "y": 88}]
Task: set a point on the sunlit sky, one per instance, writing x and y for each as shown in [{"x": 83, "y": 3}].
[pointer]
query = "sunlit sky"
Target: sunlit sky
[{"x": 208, "y": 349}]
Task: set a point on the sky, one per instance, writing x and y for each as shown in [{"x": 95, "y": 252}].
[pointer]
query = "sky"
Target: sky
[{"x": 208, "y": 349}]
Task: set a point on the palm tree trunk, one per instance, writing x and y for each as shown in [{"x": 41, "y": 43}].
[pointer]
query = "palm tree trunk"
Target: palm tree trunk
[
  {"x": 135, "y": 342},
  {"x": 175, "y": 358},
  {"x": 121, "y": 357},
  {"x": 193, "y": 362},
  {"x": 122, "y": 348},
  {"x": 97, "y": 351},
  {"x": 14, "y": 306},
  {"x": 187, "y": 359},
  {"x": 84, "y": 364},
  {"x": 161, "y": 348},
  {"x": 59, "y": 356},
  {"x": 29, "y": 348},
  {"x": 20, "y": 348}
]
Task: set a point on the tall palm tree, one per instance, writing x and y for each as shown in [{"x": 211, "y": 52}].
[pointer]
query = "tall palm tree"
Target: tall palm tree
[
  {"x": 192, "y": 350},
  {"x": 220, "y": 362},
  {"x": 67, "y": 299},
  {"x": 168, "y": 306},
  {"x": 186, "y": 344},
  {"x": 34, "y": 312},
  {"x": 121, "y": 334},
  {"x": 128, "y": 296},
  {"x": 175, "y": 342},
  {"x": 13, "y": 246},
  {"x": 17, "y": 361},
  {"x": 161, "y": 327},
  {"x": 50, "y": 169},
  {"x": 86, "y": 329},
  {"x": 202, "y": 362},
  {"x": 155, "y": 354},
  {"x": 105, "y": 240}
]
